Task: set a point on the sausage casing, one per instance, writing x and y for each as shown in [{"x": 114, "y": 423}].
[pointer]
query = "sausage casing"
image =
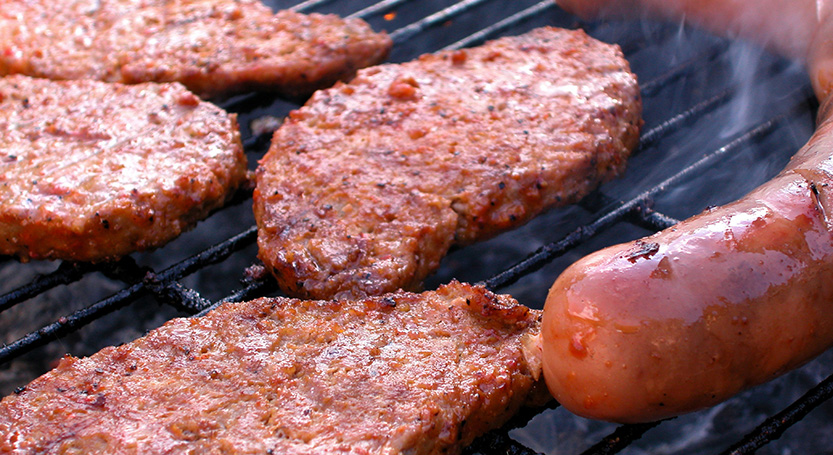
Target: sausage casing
[{"x": 692, "y": 315}]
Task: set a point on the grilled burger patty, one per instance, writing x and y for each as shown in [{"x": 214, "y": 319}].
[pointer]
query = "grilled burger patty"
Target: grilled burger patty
[
  {"x": 366, "y": 187},
  {"x": 91, "y": 171},
  {"x": 404, "y": 373},
  {"x": 213, "y": 47}
]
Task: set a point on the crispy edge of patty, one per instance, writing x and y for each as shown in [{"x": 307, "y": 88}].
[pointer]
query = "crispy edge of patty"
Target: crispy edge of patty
[
  {"x": 352, "y": 198},
  {"x": 106, "y": 206},
  {"x": 251, "y": 47},
  {"x": 403, "y": 373}
]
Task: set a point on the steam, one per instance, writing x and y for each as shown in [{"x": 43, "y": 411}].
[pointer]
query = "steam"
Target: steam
[{"x": 746, "y": 69}]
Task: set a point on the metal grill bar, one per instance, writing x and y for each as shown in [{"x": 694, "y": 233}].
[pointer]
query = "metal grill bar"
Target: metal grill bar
[
  {"x": 103, "y": 307},
  {"x": 256, "y": 288},
  {"x": 776, "y": 425},
  {"x": 439, "y": 17},
  {"x": 378, "y": 7},
  {"x": 643, "y": 215},
  {"x": 687, "y": 67},
  {"x": 72, "y": 272},
  {"x": 621, "y": 209},
  {"x": 620, "y": 439},
  {"x": 166, "y": 288},
  {"x": 654, "y": 220},
  {"x": 310, "y": 5},
  {"x": 174, "y": 294},
  {"x": 70, "y": 323},
  {"x": 67, "y": 273},
  {"x": 500, "y": 26},
  {"x": 650, "y": 137}
]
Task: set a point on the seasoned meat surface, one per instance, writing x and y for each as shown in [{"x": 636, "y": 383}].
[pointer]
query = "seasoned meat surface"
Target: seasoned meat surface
[
  {"x": 366, "y": 187},
  {"x": 402, "y": 373},
  {"x": 91, "y": 171},
  {"x": 214, "y": 47}
]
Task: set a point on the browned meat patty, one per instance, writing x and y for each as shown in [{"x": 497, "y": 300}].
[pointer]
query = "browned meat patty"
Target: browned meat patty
[
  {"x": 91, "y": 171},
  {"x": 404, "y": 373},
  {"x": 365, "y": 187},
  {"x": 211, "y": 46}
]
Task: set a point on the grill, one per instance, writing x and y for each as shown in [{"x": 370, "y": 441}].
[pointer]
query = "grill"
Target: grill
[{"x": 721, "y": 117}]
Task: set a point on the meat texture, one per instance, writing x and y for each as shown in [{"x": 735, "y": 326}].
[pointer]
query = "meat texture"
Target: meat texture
[
  {"x": 213, "y": 47},
  {"x": 366, "y": 187},
  {"x": 403, "y": 373},
  {"x": 91, "y": 171}
]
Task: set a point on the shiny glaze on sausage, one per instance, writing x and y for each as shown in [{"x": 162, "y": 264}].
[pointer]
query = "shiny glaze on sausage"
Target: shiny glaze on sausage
[
  {"x": 726, "y": 300},
  {"x": 688, "y": 317}
]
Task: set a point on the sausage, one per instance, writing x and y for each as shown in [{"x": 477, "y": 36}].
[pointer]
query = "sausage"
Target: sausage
[
  {"x": 690, "y": 316},
  {"x": 728, "y": 299}
]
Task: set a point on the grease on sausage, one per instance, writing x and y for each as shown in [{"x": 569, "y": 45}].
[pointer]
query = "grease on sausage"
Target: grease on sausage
[
  {"x": 720, "y": 302},
  {"x": 725, "y": 300}
]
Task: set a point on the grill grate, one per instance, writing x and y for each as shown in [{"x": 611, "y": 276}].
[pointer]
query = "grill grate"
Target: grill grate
[{"x": 673, "y": 159}]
